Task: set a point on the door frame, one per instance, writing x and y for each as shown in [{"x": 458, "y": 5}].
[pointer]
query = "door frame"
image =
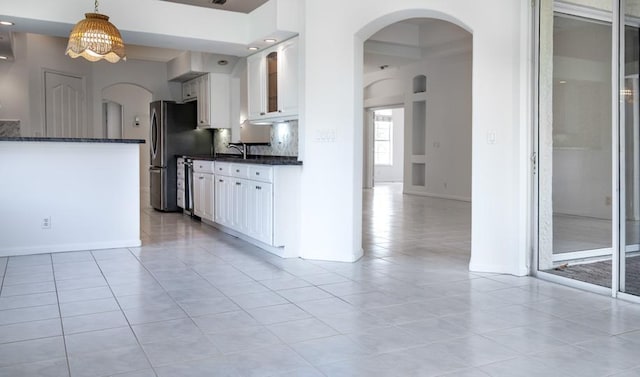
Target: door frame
[{"x": 618, "y": 147}]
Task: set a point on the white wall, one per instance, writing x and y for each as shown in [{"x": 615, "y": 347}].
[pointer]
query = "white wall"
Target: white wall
[
  {"x": 331, "y": 221},
  {"x": 135, "y": 103},
  {"x": 89, "y": 190},
  {"x": 393, "y": 172}
]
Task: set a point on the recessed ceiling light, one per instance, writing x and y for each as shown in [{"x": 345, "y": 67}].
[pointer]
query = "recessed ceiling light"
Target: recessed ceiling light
[
  {"x": 223, "y": 62},
  {"x": 562, "y": 82},
  {"x": 2, "y": 57},
  {"x": 7, "y": 23},
  {"x": 253, "y": 48},
  {"x": 270, "y": 40}
]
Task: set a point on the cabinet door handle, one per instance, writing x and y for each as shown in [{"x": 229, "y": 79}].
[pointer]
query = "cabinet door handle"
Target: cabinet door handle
[
  {"x": 262, "y": 113},
  {"x": 220, "y": 180},
  {"x": 257, "y": 173},
  {"x": 200, "y": 177},
  {"x": 258, "y": 188},
  {"x": 237, "y": 170},
  {"x": 279, "y": 111},
  {"x": 238, "y": 183}
]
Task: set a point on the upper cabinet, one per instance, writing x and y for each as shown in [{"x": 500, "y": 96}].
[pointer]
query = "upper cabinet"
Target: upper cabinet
[
  {"x": 272, "y": 78},
  {"x": 213, "y": 92}
]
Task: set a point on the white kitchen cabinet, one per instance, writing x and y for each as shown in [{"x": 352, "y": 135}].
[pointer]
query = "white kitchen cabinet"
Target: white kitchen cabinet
[
  {"x": 256, "y": 86},
  {"x": 213, "y": 93},
  {"x": 260, "y": 204},
  {"x": 203, "y": 190},
  {"x": 272, "y": 79},
  {"x": 288, "y": 78},
  {"x": 180, "y": 193},
  {"x": 222, "y": 199},
  {"x": 260, "y": 211},
  {"x": 189, "y": 90},
  {"x": 239, "y": 198}
]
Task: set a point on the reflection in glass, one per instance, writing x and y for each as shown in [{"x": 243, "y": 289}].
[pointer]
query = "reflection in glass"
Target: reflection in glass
[{"x": 582, "y": 205}]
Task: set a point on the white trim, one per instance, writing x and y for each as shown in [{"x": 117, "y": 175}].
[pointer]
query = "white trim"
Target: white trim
[
  {"x": 5, "y": 252},
  {"x": 572, "y": 283},
  {"x": 617, "y": 119},
  {"x": 582, "y": 11},
  {"x": 594, "y": 253},
  {"x": 628, "y": 297},
  {"x": 498, "y": 269}
]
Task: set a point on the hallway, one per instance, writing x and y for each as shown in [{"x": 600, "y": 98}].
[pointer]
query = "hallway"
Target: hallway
[{"x": 196, "y": 302}]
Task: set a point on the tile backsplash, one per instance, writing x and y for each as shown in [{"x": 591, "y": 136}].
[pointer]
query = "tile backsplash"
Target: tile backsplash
[
  {"x": 284, "y": 141},
  {"x": 9, "y": 128}
]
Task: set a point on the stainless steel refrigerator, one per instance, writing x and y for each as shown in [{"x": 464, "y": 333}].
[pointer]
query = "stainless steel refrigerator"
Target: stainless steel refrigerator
[{"x": 173, "y": 133}]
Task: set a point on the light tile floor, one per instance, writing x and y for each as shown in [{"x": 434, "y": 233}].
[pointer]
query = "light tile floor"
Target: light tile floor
[{"x": 195, "y": 302}]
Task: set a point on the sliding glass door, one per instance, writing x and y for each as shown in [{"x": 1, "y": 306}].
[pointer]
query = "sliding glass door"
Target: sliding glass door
[
  {"x": 588, "y": 143},
  {"x": 575, "y": 154},
  {"x": 630, "y": 149}
]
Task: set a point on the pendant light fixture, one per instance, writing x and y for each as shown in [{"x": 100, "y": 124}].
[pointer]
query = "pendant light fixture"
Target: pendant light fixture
[{"x": 95, "y": 38}]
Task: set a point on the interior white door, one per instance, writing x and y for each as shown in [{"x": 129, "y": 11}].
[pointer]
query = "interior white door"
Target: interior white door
[{"x": 65, "y": 104}]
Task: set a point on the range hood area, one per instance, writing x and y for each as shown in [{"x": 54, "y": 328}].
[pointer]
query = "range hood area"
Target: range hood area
[{"x": 189, "y": 65}]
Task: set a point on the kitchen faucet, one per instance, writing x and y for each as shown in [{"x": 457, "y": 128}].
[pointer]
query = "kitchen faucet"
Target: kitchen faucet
[
  {"x": 240, "y": 147},
  {"x": 243, "y": 148}
]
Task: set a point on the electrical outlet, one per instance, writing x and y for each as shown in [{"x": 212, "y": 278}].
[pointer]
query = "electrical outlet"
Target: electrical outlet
[{"x": 46, "y": 223}]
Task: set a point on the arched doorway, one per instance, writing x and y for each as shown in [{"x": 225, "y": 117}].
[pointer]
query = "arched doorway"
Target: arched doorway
[
  {"x": 424, "y": 66},
  {"x": 134, "y": 100}
]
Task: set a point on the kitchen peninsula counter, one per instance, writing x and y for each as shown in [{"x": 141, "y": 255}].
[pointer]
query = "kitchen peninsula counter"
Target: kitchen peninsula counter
[
  {"x": 62, "y": 194},
  {"x": 72, "y": 140}
]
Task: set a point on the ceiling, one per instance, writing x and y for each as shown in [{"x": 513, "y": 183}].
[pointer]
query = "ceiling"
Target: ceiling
[
  {"x": 408, "y": 41},
  {"x": 242, "y": 6}
]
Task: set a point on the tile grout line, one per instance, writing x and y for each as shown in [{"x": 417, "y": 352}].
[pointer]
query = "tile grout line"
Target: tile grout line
[
  {"x": 64, "y": 339},
  {"x": 122, "y": 310},
  {"x": 4, "y": 274}
]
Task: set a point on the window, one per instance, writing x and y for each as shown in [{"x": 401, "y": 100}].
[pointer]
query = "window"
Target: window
[{"x": 383, "y": 129}]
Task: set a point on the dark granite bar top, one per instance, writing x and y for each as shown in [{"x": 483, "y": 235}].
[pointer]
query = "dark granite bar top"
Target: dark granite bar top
[
  {"x": 73, "y": 140},
  {"x": 251, "y": 159}
]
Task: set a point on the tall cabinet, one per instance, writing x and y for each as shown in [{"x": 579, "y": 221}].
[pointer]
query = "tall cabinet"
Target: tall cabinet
[{"x": 272, "y": 81}]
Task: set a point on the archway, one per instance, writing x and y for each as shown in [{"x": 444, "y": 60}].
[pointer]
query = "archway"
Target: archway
[
  {"x": 135, "y": 123},
  {"x": 423, "y": 65}
]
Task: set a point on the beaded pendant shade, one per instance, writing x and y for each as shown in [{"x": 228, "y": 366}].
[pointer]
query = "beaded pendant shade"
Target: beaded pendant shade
[{"x": 95, "y": 38}]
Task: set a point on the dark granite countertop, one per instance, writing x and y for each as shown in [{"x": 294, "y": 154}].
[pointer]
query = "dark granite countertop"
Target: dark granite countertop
[
  {"x": 74, "y": 140},
  {"x": 251, "y": 159}
]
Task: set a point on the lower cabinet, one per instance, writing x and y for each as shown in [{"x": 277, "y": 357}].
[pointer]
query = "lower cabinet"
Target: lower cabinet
[
  {"x": 260, "y": 202},
  {"x": 260, "y": 211},
  {"x": 203, "y": 196},
  {"x": 239, "y": 208},
  {"x": 244, "y": 205},
  {"x": 222, "y": 190}
]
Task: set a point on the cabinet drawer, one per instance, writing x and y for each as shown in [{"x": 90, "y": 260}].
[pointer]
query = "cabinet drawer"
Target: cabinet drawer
[
  {"x": 261, "y": 173},
  {"x": 240, "y": 170},
  {"x": 203, "y": 166},
  {"x": 222, "y": 168},
  {"x": 180, "y": 184}
]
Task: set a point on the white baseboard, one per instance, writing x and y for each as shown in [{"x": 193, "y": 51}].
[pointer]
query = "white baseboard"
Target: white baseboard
[
  {"x": 29, "y": 250},
  {"x": 498, "y": 269}
]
